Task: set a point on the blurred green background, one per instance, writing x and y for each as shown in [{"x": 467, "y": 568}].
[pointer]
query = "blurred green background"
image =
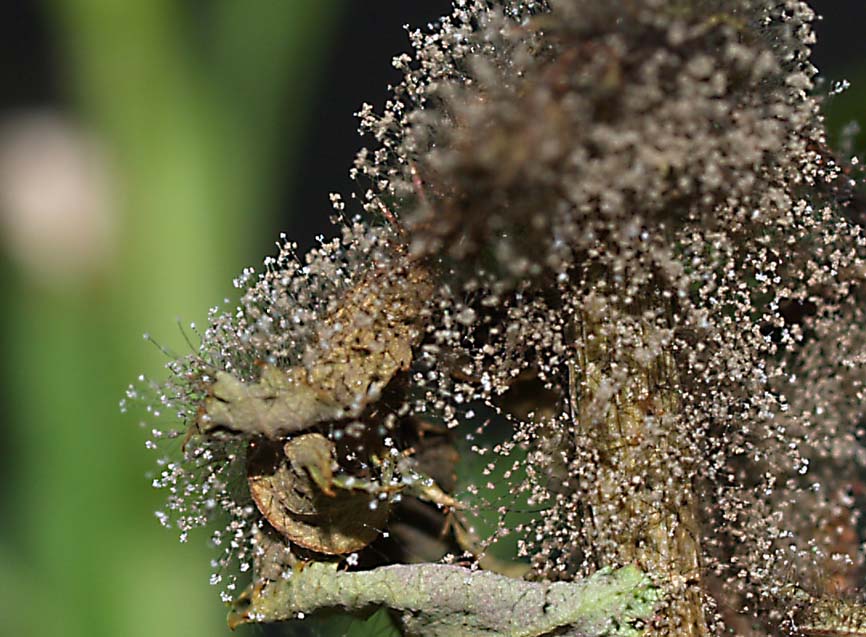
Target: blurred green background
[{"x": 149, "y": 150}]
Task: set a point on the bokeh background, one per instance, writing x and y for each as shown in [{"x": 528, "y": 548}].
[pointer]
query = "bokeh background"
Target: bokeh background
[{"x": 149, "y": 150}]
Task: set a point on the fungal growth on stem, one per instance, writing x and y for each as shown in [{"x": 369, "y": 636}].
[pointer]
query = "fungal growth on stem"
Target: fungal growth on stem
[{"x": 605, "y": 253}]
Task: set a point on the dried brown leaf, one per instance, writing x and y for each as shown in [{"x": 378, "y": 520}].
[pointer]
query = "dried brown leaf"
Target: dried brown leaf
[{"x": 291, "y": 488}]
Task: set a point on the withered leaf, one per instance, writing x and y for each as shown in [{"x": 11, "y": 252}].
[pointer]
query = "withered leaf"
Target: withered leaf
[
  {"x": 371, "y": 336},
  {"x": 291, "y": 486},
  {"x": 282, "y": 402},
  {"x": 358, "y": 350},
  {"x": 313, "y": 454}
]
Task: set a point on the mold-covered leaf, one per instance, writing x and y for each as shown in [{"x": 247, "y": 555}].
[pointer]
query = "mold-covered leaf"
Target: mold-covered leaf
[
  {"x": 438, "y": 600},
  {"x": 370, "y": 337},
  {"x": 356, "y": 353},
  {"x": 282, "y": 402}
]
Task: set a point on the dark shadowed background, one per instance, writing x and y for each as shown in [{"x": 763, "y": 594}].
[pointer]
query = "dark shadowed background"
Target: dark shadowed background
[{"x": 149, "y": 150}]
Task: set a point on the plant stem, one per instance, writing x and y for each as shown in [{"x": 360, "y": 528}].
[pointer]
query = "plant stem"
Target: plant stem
[{"x": 641, "y": 507}]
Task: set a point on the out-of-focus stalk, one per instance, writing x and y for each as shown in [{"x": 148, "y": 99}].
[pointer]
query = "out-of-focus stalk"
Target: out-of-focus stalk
[{"x": 191, "y": 150}]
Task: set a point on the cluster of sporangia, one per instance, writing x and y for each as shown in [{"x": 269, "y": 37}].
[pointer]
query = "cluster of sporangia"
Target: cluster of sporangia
[{"x": 609, "y": 233}]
